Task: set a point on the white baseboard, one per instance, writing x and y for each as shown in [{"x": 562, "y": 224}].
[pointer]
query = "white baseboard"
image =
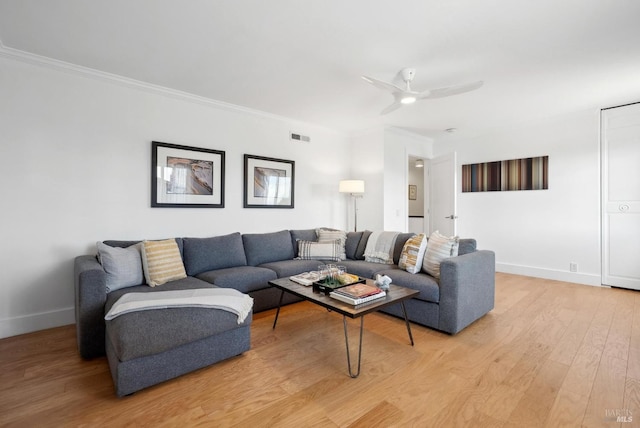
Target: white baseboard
[
  {"x": 34, "y": 322},
  {"x": 558, "y": 275}
]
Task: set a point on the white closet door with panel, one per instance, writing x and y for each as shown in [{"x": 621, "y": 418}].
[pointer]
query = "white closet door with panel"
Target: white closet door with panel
[{"x": 620, "y": 142}]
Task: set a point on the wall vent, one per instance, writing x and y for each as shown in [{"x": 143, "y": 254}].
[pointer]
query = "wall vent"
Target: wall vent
[{"x": 299, "y": 137}]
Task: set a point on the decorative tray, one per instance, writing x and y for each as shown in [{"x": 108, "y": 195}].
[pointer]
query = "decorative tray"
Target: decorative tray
[{"x": 326, "y": 286}]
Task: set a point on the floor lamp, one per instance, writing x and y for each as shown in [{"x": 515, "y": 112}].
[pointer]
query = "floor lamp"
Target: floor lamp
[{"x": 356, "y": 189}]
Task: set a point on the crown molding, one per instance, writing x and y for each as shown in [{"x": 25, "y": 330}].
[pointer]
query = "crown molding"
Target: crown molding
[{"x": 79, "y": 70}]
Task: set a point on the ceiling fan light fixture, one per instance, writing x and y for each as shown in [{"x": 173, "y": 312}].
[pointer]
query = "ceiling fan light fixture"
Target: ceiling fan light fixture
[{"x": 408, "y": 100}]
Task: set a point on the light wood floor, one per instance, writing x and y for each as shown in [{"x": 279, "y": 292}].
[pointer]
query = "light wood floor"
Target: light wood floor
[{"x": 549, "y": 354}]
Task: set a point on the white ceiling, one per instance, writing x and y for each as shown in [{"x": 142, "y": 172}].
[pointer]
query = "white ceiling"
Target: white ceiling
[{"x": 303, "y": 59}]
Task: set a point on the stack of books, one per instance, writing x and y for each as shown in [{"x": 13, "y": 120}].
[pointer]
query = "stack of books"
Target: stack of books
[{"x": 358, "y": 294}]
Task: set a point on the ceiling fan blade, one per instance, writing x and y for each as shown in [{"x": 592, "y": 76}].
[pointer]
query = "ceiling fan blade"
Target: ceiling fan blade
[
  {"x": 395, "y": 106},
  {"x": 451, "y": 90},
  {"x": 381, "y": 85}
]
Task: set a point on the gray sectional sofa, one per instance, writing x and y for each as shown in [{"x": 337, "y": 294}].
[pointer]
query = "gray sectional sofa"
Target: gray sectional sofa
[{"x": 148, "y": 347}]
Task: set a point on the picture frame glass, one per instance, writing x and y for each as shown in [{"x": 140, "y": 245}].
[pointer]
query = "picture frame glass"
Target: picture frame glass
[
  {"x": 187, "y": 176},
  {"x": 269, "y": 182}
]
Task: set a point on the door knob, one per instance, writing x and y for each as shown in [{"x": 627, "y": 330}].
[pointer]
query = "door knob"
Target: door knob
[{"x": 452, "y": 217}]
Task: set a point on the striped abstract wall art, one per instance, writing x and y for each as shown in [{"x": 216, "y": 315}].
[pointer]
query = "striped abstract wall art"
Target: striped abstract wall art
[{"x": 514, "y": 174}]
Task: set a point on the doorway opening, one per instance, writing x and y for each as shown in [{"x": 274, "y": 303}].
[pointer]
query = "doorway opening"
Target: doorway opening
[{"x": 418, "y": 220}]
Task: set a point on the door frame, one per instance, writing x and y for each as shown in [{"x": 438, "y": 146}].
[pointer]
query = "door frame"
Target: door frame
[{"x": 453, "y": 156}]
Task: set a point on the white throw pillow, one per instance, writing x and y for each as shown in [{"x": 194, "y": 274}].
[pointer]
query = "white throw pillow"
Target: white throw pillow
[
  {"x": 439, "y": 247},
  {"x": 122, "y": 265},
  {"x": 413, "y": 253}
]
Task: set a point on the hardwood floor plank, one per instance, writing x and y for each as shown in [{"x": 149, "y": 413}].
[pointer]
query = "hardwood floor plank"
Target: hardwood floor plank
[
  {"x": 568, "y": 409},
  {"x": 550, "y": 354},
  {"x": 608, "y": 391}
]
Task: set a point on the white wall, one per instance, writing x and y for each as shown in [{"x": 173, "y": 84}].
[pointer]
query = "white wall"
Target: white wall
[
  {"x": 367, "y": 163},
  {"x": 76, "y": 153},
  {"x": 538, "y": 233}
]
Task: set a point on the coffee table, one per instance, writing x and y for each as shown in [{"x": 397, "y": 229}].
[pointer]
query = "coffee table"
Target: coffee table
[{"x": 395, "y": 295}]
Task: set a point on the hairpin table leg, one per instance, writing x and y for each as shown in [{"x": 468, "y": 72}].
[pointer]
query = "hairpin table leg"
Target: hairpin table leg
[
  {"x": 346, "y": 338},
  {"x": 278, "y": 311},
  {"x": 406, "y": 320}
]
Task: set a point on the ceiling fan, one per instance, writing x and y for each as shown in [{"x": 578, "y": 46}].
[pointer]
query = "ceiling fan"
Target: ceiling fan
[{"x": 407, "y": 96}]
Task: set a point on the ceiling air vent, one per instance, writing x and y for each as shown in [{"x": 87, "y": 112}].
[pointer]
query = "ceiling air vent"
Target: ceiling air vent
[{"x": 300, "y": 137}]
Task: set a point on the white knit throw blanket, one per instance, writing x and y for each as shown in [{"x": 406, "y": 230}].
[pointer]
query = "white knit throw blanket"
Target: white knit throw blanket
[
  {"x": 380, "y": 247},
  {"x": 226, "y": 299}
]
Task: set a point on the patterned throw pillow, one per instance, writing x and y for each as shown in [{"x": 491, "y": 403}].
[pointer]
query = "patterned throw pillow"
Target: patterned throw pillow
[
  {"x": 413, "y": 253},
  {"x": 123, "y": 266},
  {"x": 162, "y": 262},
  {"x": 309, "y": 250},
  {"x": 439, "y": 247},
  {"x": 329, "y": 235}
]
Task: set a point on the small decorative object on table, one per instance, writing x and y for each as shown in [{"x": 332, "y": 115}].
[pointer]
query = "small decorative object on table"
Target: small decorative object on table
[{"x": 383, "y": 281}]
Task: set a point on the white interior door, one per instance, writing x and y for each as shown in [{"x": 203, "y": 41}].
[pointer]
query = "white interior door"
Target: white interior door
[
  {"x": 620, "y": 141},
  {"x": 443, "y": 200}
]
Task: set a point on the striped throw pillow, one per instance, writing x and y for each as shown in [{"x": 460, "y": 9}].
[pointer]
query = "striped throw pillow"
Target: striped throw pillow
[
  {"x": 329, "y": 235},
  {"x": 413, "y": 253},
  {"x": 161, "y": 262},
  {"x": 309, "y": 250},
  {"x": 439, "y": 247}
]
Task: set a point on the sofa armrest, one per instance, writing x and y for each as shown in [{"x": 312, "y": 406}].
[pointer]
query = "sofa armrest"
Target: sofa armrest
[
  {"x": 467, "y": 289},
  {"x": 91, "y": 296}
]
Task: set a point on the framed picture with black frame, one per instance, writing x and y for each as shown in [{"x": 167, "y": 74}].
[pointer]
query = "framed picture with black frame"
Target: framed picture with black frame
[
  {"x": 268, "y": 182},
  {"x": 186, "y": 177}
]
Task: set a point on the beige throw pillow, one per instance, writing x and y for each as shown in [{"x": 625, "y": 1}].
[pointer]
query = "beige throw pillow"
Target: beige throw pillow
[
  {"x": 439, "y": 247},
  {"x": 162, "y": 262},
  {"x": 413, "y": 253},
  {"x": 327, "y": 235}
]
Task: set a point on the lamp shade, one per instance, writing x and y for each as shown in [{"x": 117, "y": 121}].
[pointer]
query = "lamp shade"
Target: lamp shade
[{"x": 351, "y": 186}]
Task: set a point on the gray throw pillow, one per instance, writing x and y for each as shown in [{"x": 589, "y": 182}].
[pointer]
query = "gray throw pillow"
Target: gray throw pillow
[{"x": 122, "y": 265}]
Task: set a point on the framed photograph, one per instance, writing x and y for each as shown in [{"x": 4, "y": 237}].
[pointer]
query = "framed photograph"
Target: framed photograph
[
  {"x": 268, "y": 182},
  {"x": 186, "y": 177},
  {"x": 413, "y": 192}
]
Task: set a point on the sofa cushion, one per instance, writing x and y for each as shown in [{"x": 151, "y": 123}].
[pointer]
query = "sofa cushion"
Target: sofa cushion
[
  {"x": 351, "y": 245},
  {"x": 285, "y": 268},
  {"x": 218, "y": 252},
  {"x": 123, "y": 266},
  {"x": 302, "y": 235},
  {"x": 241, "y": 278},
  {"x": 413, "y": 253},
  {"x": 363, "y": 268},
  {"x": 466, "y": 246},
  {"x": 425, "y": 284},
  {"x": 143, "y": 333},
  {"x": 267, "y": 247},
  {"x": 439, "y": 247},
  {"x": 162, "y": 262},
  {"x": 362, "y": 245},
  {"x": 124, "y": 244},
  {"x": 330, "y": 235}
]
